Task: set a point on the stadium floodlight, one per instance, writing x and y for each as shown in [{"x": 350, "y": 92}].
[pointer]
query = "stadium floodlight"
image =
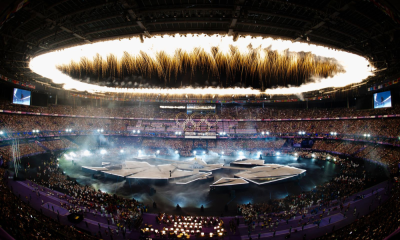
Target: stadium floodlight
[
  {"x": 86, "y": 153},
  {"x": 334, "y": 159},
  {"x": 295, "y": 154},
  {"x": 222, "y": 152},
  {"x": 313, "y": 155},
  {"x": 262, "y": 133},
  {"x": 328, "y": 157},
  {"x": 240, "y": 153},
  {"x": 258, "y": 153},
  {"x": 138, "y": 131},
  {"x": 122, "y": 150},
  {"x": 101, "y": 130},
  {"x": 278, "y": 154},
  {"x": 1, "y": 132},
  {"x": 103, "y": 151},
  {"x": 176, "y": 152},
  {"x": 204, "y": 152},
  {"x": 140, "y": 151},
  {"x": 158, "y": 151},
  {"x": 299, "y": 133},
  {"x": 134, "y": 131},
  {"x": 368, "y": 135},
  {"x": 365, "y": 135},
  {"x": 194, "y": 152},
  {"x": 267, "y": 133}
]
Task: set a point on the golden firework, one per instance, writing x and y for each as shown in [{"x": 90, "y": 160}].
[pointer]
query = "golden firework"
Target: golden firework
[
  {"x": 271, "y": 62},
  {"x": 264, "y": 65}
]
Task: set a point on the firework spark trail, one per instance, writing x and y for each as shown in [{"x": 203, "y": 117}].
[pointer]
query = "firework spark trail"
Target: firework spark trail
[{"x": 253, "y": 58}]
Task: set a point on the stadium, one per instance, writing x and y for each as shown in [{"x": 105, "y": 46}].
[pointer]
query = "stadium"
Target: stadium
[{"x": 256, "y": 119}]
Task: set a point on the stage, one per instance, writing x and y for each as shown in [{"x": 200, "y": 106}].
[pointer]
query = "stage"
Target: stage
[{"x": 185, "y": 172}]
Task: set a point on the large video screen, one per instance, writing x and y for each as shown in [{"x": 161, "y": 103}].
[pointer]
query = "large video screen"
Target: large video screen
[
  {"x": 382, "y": 100},
  {"x": 21, "y": 96}
]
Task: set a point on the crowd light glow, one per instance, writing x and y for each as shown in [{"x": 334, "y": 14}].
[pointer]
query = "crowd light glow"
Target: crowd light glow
[{"x": 354, "y": 68}]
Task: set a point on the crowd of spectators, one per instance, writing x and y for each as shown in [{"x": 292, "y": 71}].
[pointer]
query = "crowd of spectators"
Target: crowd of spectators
[
  {"x": 25, "y": 149},
  {"x": 27, "y": 123},
  {"x": 125, "y": 213},
  {"x": 13, "y": 125},
  {"x": 225, "y": 112},
  {"x": 34, "y": 147},
  {"x": 23, "y": 222},
  {"x": 349, "y": 181},
  {"x": 59, "y": 144},
  {"x": 377, "y": 225},
  {"x": 257, "y": 112}
]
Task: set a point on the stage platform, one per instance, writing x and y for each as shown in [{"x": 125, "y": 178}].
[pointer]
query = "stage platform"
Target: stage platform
[
  {"x": 229, "y": 184},
  {"x": 184, "y": 172},
  {"x": 245, "y": 162},
  {"x": 271, "y": 173}
]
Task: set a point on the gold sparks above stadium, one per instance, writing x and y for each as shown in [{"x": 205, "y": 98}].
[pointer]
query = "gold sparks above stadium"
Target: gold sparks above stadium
[
  {"x": 263, "y": 65},
  {"x": 260, "y": 65}
]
